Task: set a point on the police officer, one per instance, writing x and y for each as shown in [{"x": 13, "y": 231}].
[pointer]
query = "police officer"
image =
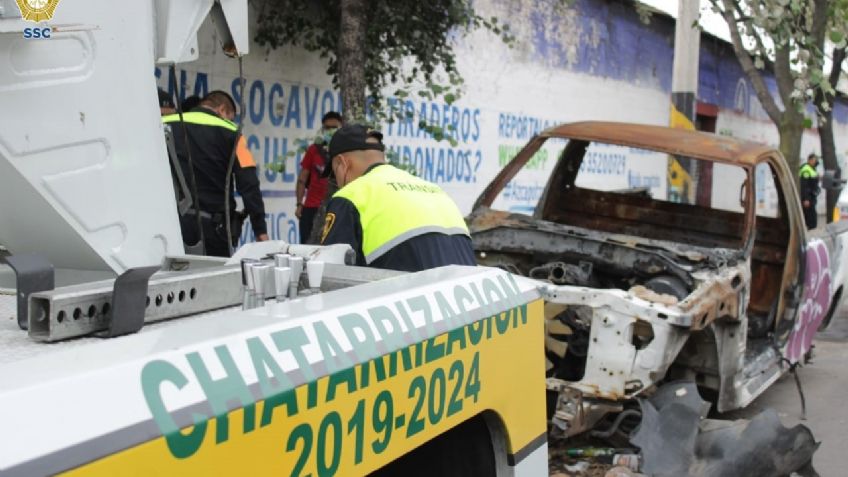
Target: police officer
[
  {"x": 211, "y": 138},
  {"x": 391, "y": 218},
  {"x": 810, "y": 190}
]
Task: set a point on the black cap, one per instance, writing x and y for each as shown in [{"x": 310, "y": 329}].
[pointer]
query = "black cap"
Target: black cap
[
  {"x": 352, "y": 137},
  {"x": 165, "y": 99}
]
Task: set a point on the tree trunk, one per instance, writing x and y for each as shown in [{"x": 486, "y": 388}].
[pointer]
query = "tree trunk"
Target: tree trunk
[
  {"x": 351, "y": 64},
  {"x": 789, "y": 121},
  {"x": 828, "y": 154},
  {"x": 828, "y": 145},
  {"x": 351, "y": 57},
  {"x": 791, "y": 131}
]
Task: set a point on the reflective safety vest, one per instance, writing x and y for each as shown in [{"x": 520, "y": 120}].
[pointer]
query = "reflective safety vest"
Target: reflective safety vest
[
  {"x": 395, "y": 206},
  {"x": 203, "y": 119},
  {"x": 808, "y": 172}
]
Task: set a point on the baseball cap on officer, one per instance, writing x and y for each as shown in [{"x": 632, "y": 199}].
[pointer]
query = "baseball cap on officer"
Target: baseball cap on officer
[{"x": 352, "y": 137}]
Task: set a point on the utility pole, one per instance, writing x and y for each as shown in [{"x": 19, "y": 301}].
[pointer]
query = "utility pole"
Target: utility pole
[{"x": 683, "y": 175}]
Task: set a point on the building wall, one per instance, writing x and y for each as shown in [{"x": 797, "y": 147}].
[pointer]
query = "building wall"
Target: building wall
[{"x": 593, "y": 61}]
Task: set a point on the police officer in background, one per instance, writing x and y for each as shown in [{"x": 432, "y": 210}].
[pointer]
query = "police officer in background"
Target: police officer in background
[
  {"x": 391, "y": 218},
  {"x": 311, "y": 181},
  {"x": 810, "y": 190},
  {"x": 211, "y": 138}
]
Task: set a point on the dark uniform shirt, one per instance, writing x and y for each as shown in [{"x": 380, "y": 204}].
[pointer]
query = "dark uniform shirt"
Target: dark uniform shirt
[
  {"x": 211, "y": 145},
  {"x": 419, "y": 252},
  {"x": 809, "y": 183},
  {"x": 809, "y": 192}
]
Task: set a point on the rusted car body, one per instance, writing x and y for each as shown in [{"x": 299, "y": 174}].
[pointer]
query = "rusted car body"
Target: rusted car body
[{"x": 642, "y": 291}]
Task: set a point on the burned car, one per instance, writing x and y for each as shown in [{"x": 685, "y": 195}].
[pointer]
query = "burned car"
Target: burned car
[{"x": 705, "y": 281}]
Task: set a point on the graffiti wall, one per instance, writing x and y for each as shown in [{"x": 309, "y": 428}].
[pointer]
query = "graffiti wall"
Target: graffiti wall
[{"x": 594, "y": 60}]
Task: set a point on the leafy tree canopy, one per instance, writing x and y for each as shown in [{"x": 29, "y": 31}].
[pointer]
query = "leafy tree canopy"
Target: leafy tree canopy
[
  {"x": 791, "y": 35},
  {"x": 408, "y": 43}
]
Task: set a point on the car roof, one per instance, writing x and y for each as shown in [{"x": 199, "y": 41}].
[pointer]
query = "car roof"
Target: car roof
[{"x": 684, "y": 142}]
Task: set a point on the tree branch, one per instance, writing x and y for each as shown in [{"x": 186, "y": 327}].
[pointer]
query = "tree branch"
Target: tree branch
[
  {"x": 760, "y": 45},
  {"x": 836, "y": 68},
  {"x": 783, "y": 74},
  {"x": 818, "y": 32},
  {"x": 747, "y": 64},
  {"x": 818, "y": 29}
]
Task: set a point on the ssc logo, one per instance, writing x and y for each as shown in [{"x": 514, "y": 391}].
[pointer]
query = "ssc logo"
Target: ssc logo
[
  {"x": 36, "y": 33},
  {"x": 37, "y": 10}
]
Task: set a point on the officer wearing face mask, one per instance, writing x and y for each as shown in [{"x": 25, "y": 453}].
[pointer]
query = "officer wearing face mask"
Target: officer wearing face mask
[
  {"x": 391, "y": 218},
  {"x": 311, "y": 181}
]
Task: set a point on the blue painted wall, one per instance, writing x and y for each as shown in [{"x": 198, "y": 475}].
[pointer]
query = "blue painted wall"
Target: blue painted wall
[{"x": 612, "y": 42}]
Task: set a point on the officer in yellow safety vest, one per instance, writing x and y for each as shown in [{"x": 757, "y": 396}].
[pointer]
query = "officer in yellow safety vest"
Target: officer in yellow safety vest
[
  {"x": 391, "y": 218},
  {"x": 810, "y": 190},
  {"x": 205, "y": 157}
]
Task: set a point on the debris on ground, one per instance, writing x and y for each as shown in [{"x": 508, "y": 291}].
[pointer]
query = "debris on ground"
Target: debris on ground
[
  {"x": 620, "y": 471},
  {"x": 675, "y": 437},
  {"x": 590, "y": 461}
]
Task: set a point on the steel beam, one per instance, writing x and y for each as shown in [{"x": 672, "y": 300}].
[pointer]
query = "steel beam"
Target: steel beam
[{"x": 81, "y": 310}]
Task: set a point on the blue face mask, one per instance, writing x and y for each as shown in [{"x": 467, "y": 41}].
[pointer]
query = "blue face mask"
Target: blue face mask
[{"x": 324, "y": 135}]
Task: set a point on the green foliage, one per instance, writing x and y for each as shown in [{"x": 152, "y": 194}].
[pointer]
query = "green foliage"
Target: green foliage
[
  {"x": 409, "y": 45},
  {"x": 408, "y": 42},
  {"x": 768, "y": 26}
]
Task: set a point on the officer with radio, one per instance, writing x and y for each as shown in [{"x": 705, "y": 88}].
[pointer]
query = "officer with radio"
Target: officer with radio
[{"x": 212, "y": 138}]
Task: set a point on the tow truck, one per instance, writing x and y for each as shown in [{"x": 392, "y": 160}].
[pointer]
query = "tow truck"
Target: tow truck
[{"x": 120, "y": 354}]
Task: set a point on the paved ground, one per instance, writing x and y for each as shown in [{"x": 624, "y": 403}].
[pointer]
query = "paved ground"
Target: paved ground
[{"x": 825, "y": 384}]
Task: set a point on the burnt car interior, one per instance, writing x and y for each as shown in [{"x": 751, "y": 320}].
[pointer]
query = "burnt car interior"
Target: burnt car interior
[
  {"x": 607, "y": 237},
  {"x": 768, "y": 256},
  {"x": 635, "y": 214}
]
